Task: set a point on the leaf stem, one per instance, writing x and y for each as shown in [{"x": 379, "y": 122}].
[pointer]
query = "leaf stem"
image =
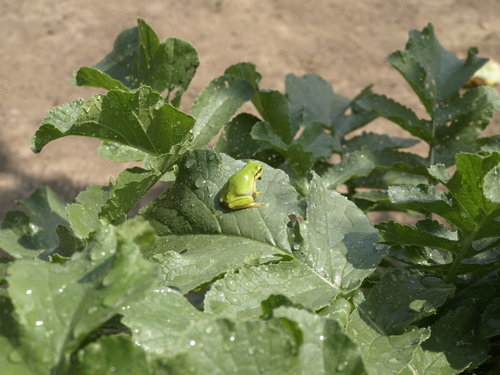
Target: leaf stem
[{"x": 461, "y": 254}]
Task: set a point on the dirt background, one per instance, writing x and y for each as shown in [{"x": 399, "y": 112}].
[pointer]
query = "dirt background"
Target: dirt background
[{"x": 42, "y": 42}]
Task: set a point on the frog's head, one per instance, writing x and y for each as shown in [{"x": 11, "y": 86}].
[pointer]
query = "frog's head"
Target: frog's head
[{"x": 257, "y": 169}]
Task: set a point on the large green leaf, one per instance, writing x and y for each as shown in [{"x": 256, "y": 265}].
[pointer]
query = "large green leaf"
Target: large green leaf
[
  {"x": 141, "y": 120},
  {"x": 58, "y": 305},
  {"x": 425, "y": 233},
  {"x": 26, "y": 235},
  {"x": 399, "y": 114},
  {"x": 139, "y": 59},
  {"x": 196, "y": 230}
]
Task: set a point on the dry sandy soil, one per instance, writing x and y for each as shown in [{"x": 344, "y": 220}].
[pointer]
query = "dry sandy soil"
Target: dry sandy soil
[{"x": 42, "y": 42}]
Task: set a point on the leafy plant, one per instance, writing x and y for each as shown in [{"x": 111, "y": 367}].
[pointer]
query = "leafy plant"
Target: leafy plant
[{"x": 302, "y": 284}]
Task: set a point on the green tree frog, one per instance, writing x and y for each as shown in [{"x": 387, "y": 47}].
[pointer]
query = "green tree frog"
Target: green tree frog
[{"x": 241, "y": 189}]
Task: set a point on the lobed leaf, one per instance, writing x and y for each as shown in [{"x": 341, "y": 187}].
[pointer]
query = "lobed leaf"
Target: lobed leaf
[
  {"x": 139, "y": 59},
  {"x": 434, "y": 73}
]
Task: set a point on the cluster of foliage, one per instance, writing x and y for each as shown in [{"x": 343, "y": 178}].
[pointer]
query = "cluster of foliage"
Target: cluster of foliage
[{"x": 304, "y": 284}]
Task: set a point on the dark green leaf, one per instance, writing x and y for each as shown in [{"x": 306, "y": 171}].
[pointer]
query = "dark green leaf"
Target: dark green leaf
[
  {"x": 139, "y": 59},
  {"x": 275, "y": 111},
  {"x": 247, "y": 71},
  {"x": 490, "y": 320},
  {"x": 316, "y": 98},
  {"x": 417, "y": 297},
  {"x": 89, "y": 76},
  {"x": 141, "y": 120},
  {"x": 26, "y": 235},
  {"x": 236, "y": 140},
  {"x": 216, "y": 104},
  {"x": 399, "y": 114},
  {"x": 272, "y": 105},
  {"x": 362, "y": 163},
  {"x": 376, "y": 142},
  {"x": 67, "y": 246},
  {"x": 313, "y": 145},
  {"x": 454, "y": 345},
  {"x": 461, "y": 121},
  {"x": 425, "y": 233},
  {"x": 12, "y": 362}
]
